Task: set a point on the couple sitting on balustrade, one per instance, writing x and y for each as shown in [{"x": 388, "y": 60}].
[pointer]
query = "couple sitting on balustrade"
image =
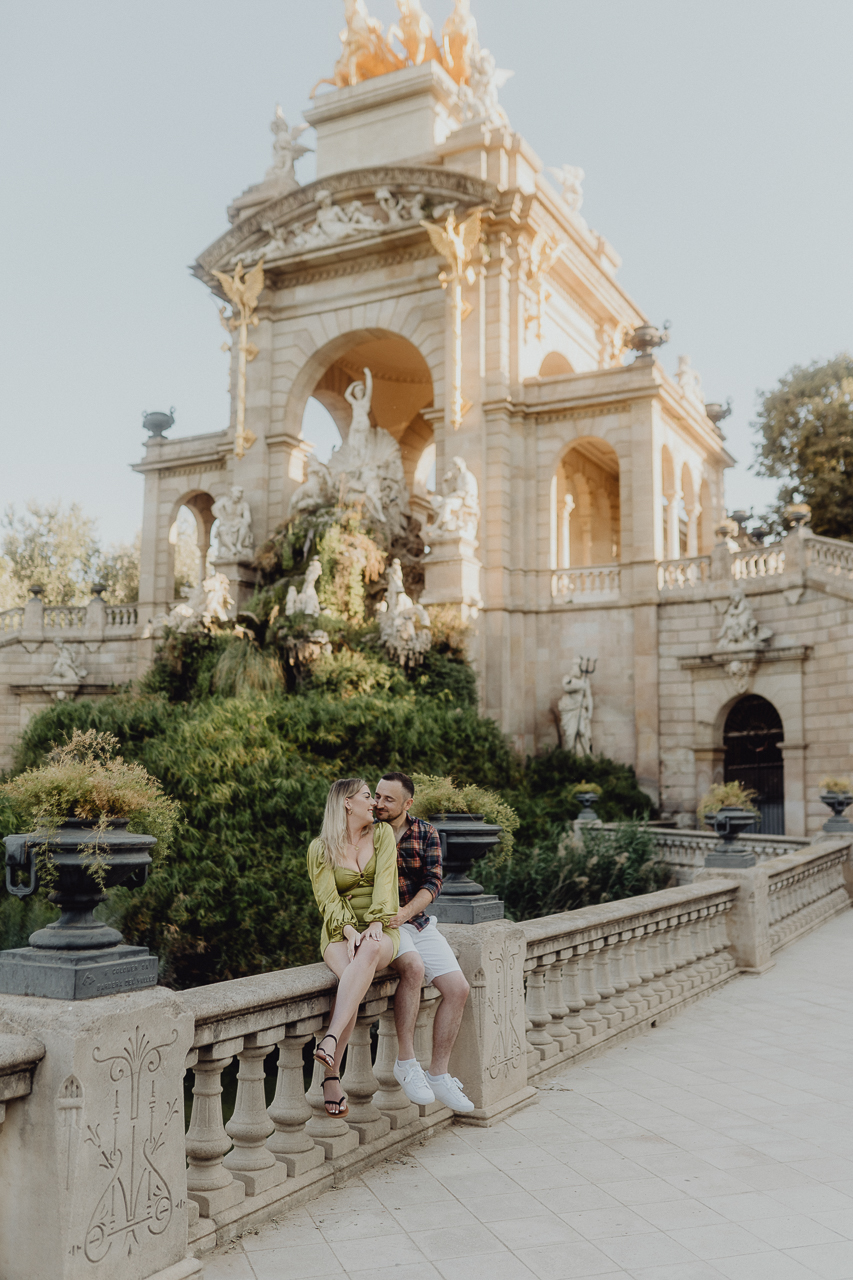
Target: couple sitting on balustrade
[{"x": 373, "y": 870}]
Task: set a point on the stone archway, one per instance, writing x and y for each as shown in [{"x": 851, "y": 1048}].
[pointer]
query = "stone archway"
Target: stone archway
[
  {"x": 585, "y": 516},
  {"x": 752, "y": 738}
]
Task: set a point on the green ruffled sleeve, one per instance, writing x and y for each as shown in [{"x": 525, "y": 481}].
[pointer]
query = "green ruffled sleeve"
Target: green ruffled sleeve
[
  {"x": 335, "y": 910},
  {"x": 386, "y": 883}
]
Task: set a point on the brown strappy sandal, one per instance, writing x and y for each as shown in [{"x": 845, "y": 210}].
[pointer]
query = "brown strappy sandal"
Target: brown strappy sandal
[
  {"x": 335, "y": 1102},
  {"x": 320, "y": 1055}
]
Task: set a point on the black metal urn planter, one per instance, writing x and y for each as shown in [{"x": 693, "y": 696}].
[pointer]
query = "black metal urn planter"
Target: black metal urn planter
[
  {"x": 838, "y": 802},
  {"x": 465, "y": 838},
  {"x": 587, "y": 799},
  {"x": 729, "y": 822},
  {"x": 77, "y": 956}
]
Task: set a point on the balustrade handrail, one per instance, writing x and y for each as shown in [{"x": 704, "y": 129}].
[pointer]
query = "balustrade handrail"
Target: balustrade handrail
[
  {"x": 596, "y": 580},
  {"x": 829, "y": 554},
  {"x": 687, "y": 571},
  {"x": 784, "y": 870},
  {"x": 244, "y": 1006},
  {"x": 763, "y": 562},
  {"x": 12, "y": 619}
]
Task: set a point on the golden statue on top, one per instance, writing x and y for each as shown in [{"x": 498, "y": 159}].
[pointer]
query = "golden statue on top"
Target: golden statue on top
[{"x": 367, "y": 52}]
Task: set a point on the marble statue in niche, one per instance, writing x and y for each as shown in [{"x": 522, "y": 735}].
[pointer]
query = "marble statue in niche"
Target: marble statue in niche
[
  {"x": 576, "y": 708},
  {"x": 457, "y": 506},
  {"x": 741, "y": 629}
]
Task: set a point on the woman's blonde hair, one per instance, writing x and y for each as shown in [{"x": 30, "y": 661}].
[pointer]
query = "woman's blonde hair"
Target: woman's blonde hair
[{"x": 334, "y": 830}]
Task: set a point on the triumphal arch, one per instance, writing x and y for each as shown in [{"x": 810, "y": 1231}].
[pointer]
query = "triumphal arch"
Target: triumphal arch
[{"x": 436, "y": 254}]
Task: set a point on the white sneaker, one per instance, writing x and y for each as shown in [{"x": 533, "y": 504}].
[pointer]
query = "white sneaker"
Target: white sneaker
[
  {"x": 448, "y": 1090},
  {"x": 412, "y": 1081}
]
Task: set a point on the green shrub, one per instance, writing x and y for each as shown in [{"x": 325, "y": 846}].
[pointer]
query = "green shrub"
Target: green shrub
[
  {"x": 441, "y": 795},
  {"x": 558, "y": 874},
  {"x": 544, "y": 798},
  {"x": 442, "y": 676}
]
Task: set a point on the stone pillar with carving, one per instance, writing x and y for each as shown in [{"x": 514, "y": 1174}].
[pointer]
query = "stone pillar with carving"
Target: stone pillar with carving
[
  {"x": 92, "y": 1164},
  {"x": 451, "y": 567},
  {"x": 490, "y": 1054}
]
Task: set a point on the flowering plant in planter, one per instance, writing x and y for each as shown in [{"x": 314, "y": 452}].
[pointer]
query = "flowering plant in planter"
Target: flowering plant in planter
[
  {"x": 441, "y": 795},
  {"x": 86, "y": 783},
  {"x": 721, "y": 795}
]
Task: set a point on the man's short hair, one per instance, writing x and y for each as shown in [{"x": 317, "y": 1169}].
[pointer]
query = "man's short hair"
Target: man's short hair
[{"x": 404, "y": 780}]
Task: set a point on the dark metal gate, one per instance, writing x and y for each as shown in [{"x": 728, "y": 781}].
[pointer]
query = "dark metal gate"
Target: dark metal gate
[{"x": 752, "y": 739}]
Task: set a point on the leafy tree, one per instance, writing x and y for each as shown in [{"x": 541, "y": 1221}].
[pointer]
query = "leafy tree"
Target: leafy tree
[
  {"x": 57, "y": 547},
  {"x": 807, "y": 429}
]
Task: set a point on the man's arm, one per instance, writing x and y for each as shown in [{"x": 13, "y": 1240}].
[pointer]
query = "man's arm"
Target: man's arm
[
  {"x": 430, "y": 877},
  {"x": 422, "y": 899}
]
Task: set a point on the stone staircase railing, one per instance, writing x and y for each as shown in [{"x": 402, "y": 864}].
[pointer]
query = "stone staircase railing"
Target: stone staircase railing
[
  {"x": 96, "y": 1131},
  {"x": 684, "y": 849},
  {"x": 36, "y": 621}
]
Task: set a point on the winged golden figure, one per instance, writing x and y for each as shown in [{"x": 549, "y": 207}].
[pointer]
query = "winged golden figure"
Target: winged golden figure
[
  {"x": 243, "y": 291},
  {"x": 456, "y": 242}
]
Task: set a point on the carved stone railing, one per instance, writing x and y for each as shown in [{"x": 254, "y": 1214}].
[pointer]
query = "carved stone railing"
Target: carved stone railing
[
  {"x": 764, "y": 562},
  {"x": 587, "y": 584},
  {"x": 64, "y": 617},
  {"x": 805, "y": 890},
  {"x": 829, "y": 556},
  {"x": 121, "y": 615},
  {"x": 678, "y": 575},
  {"x": 685, "y": 849},
  {"x": 19, "y": 1057},
  {"x": 36, "y": 621},
  {"x": 607, "y": 972},
  {"x": 264, "y": 1156},
  {"x": 11, "y": 620}
]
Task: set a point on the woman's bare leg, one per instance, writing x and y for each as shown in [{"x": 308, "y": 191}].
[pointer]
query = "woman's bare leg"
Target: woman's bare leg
[{"x": 354, "y": 978}]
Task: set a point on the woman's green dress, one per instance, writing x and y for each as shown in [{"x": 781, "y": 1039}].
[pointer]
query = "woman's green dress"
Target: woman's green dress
[{"x": 345, "y": 897}]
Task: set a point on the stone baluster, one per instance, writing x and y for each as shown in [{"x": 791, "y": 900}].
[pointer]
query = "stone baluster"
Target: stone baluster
[
  {"x": 604, "y": 983},
  {"x": 289, "y": 1111},
  {"x": 646, "y": 967},
  {"x": 666, "y": 930},
  {"x": 329, "y": 1132},
  {"x": 590, "y": 1014},
  {"x": 702, "y": 947},
  {"x": 557, "y": 1007},
  {"x": 532, "y": 1051},
  {"x": 722, "y": 955},
  {"x": 634, "y": 994},
  {"x": 681, "y": 952},
  {"x": 390, "y": 1099},
  {"x": 423, "y": 1040},
  {"x": 360, "y": 1084},
  {"x": 657, "y": 959},
  {"x": 619, "y": 976},
  {"x": 580, "y": 1029},
  {"x": 537, "y": 1010},
  {"x": 213, "y": 1187},
  {"x": 250, "y": 1126}
]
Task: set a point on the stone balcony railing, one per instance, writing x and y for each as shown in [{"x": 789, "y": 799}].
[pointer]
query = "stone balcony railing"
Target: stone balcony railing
[
  {"x": 684, "y": 849},
  {"x": 37, "y": 622},
  {"x": 94, "y": 1128}
]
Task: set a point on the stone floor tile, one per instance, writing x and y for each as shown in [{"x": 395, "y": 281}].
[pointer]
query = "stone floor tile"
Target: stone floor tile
[
  {"x": 365, "y": 1255},
  {"x": 592, "y": 1224},
  {"x": 233, "y": 1265},
  {"x": 490, "y": 1266},
  {"x": 411, "y": 1271},
  {"x": 678, "y": 1271},
  {"x": 355, "y": 1195},
  {"x": 791, "y": 1230},
  {"x": 449, "y": 1213},
  {"x": 811, "y": 1198},
  {"x": 829, "y": 1261},
  {"x": 826, "y": 1169},
  {"x": 358, "y": 1224},
  {"x": 666, "y": 1215},
  {"x": 838, "y": 1220},
  {"x": 495, "y": 1208},
  {"x": 581, "y": 1261},
  {"x": 299, "y": 1263},
  {"x": 456, "y": 1242},
  {"x": 575, "y": 1198},
  {"x": 733, "y": 1157},
  {"x": 724, "y": 1240},
  {"x": 773, "y": 1177},
  {"x": 744, "y": 1207},
  {"x": 763, "y": 1266},
  {"x": 547, "y": 1177},
  {"x": 464, "y": 1187},
  {"x": 641, "y": 1191},
  {"x": 467, "y": 1161},
  {"x": 291, "y": 1230},
  {"x": 653, "y": 1249},
  {"x": 528, "y": 1232}
]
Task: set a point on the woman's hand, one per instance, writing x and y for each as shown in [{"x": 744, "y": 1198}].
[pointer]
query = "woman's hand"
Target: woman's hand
[
  {"x": 373, "y": 930},
  {"x": 352, "y": 938}
]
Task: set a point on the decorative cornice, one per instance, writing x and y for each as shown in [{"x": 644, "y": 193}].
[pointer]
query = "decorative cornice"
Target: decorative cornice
[
  {"x": 353, "y": 265},
  {"x": 708, "y": 661}
]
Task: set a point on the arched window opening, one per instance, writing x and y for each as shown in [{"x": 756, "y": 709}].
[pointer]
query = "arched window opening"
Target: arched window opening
[
  {"x": 190, "y": 546},
  {"x": 705, "y": 539},
  {"x": 670, "y": 513},
  {"x": 585, "y": 516},
  {"x": 752, "y": 739},
  {"x": 320, "y": 429},
  {"x": 554, "y": 365}
]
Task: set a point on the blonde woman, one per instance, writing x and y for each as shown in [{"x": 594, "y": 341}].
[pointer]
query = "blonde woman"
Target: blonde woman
[{"x": 353, "y": 870}]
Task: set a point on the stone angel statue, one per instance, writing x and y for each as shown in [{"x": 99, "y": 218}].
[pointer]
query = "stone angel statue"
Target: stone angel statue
[
  {"x": 456, "y": 243},
  {"x": 286, "y": 150}
]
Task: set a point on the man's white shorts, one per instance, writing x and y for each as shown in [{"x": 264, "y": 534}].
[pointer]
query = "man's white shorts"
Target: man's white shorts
[{"x": 432, "y": 947}]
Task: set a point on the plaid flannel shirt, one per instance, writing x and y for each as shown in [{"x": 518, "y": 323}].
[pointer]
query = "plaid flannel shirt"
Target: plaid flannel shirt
[{"x": 419, "y": 865}]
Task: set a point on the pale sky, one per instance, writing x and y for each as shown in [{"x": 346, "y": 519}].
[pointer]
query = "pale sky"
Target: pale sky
[{"x": 715, "y": 139}]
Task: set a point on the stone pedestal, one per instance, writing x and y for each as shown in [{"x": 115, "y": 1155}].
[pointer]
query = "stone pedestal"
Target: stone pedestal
[
  {"x": 478, "y": 909},
  {"x": 490, "y": 1054},
  {"x": 748, "y": 922},
  {"x": 76, "y": 975},
  {"x": 92, "y": 1163},
  {"x": 452, "y": 576}
]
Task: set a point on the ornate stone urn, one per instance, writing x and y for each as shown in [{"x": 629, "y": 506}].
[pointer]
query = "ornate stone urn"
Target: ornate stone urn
[
  {"x": 645, "y": 338},
  {"x": 587, "y": 799},
  {"x": 157, "y": 423},
  {"x": 729, "y": 822},
  {"x": 465, "y": 838},
  {"x": 77, "y": 956},
  {"x": 837, "y": 801}
]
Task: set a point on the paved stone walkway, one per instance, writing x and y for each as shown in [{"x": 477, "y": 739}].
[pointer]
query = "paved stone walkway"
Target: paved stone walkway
[{"x": 719, "y": 1144}]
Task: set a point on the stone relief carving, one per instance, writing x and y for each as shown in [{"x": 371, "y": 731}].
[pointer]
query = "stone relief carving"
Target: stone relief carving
[
  {"x": 689, "y": 380},
  {"x": 570, "y": 177},
  {"x": 399, "y": 209},
  {"x": 539, "y": 258},
  {"x": 67, "y": 669},
  {"x": 136, "y": 1200},
  {"x": 69, "y": 1106},
  {"x": 576, "y": 708},
  {"x": 740, "y": 629},
  {"x": 404, "y": 627},
  {"x": 457, "y": 506},
  {"x": 503, "y": 1048},
  {"x": 235, "y": 538},
  {"x": 305, "y": 601},
  {"x": 286, "y": 150}
]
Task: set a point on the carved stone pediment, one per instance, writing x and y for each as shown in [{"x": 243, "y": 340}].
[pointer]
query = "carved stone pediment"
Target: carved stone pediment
[{"x": 291, "y": 228}]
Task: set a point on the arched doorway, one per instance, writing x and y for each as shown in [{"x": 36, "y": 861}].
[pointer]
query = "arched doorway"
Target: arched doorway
[
  {"x": 752, "y": 739},
  {"x": 585, "y": 516}
]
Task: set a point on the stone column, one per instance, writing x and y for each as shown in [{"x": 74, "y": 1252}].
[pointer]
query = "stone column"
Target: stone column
[
  {"x": 92, "y": 1166},
  {"x": 452, "y": 576},
  {"x": 390, "y": 1099},
  {"x": 250, "y": 1126},
  {"x": 748, "y": 922},
  {"x": 490, "y": 1054}
]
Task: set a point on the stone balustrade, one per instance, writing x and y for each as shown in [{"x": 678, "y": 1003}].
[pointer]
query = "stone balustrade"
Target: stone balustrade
[
  {"x": 764, "y": 562},
  {"x": 96, "y": 1129},
  {"x": 589, "y": 584},
  {"x": 11, "y": 620},
  {"x": 37, "y": 621},
  {"x": 684, "y": 849},
  {"x": 829, "y": 556},
  {"x": 678, "y": 575}
]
